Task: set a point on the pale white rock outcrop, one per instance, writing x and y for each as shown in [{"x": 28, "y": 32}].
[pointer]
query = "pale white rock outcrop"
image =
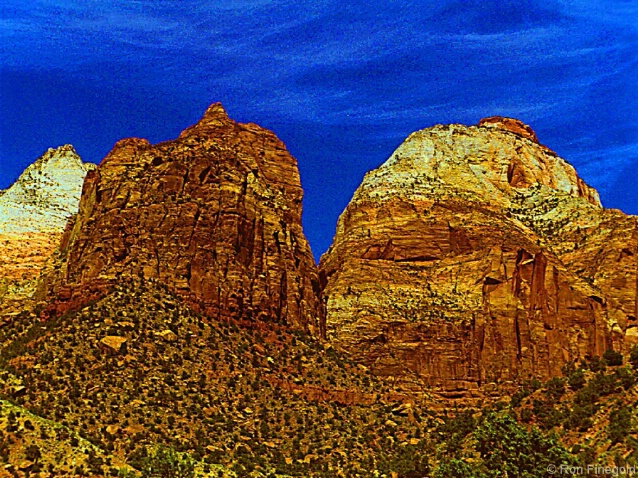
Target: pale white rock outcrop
[
  {"x": 45, "y": 194},
  {"x": 475, "y": 258},
  {"x": 33, "y": 214}
]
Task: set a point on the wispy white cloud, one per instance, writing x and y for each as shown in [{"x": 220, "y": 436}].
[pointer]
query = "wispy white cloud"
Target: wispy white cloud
[{"x": 565, "y": 66}]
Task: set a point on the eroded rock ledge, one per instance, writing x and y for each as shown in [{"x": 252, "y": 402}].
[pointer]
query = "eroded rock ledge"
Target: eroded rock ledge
[
  {"x": 475, "y": 258},
  {"x": 214, "y": 214}
]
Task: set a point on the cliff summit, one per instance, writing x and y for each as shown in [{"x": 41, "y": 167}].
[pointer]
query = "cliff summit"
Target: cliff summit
[{"x": 475, "y": 257}]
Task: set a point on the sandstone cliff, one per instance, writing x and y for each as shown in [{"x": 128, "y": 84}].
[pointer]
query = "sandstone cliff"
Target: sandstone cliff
[
  {"x": 214, "y": 214},
  {"x": 33, "y": 213},
  {"x": 474, "y": 258}
]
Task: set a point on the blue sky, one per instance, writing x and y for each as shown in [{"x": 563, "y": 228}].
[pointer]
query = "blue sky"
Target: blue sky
[{"x": 341, "y": 83}]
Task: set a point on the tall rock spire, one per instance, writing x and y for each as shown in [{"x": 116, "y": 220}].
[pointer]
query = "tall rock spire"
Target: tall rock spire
[{"x": 215, "y": 215}]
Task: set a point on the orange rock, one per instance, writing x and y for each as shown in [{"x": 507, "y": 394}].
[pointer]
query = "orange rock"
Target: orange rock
[
  {"x": 33, "y": 213},
  {"x": 113, "y": 343},
  {"x": 475, "y": 258},
  {"x": 215, "y": 215},
  {"x": 510, "y": 124}
]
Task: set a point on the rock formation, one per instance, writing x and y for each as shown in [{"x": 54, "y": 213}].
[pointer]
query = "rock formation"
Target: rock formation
[
  {"x": 33, "y": 213},
  {"x": 214, "y": 214},
  {"x": 474, "y": 258}
]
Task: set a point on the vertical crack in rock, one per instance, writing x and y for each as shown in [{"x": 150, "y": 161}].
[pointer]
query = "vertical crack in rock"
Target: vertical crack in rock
[
  {"x": 490, "y": 199},
  {"x": 208, "y": 230}
]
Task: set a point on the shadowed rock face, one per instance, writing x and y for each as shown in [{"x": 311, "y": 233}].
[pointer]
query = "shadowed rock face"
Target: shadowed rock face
[
  {"x": 214, "y": 214},
  {"x": 476, "y": 257}
]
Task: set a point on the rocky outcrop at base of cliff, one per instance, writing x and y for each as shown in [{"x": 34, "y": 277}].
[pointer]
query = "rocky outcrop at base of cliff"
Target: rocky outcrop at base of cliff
[
  {"x": 214, "y": 214},
  {"x": 33, "y": 214},
  {"x": 476, "y": 258}
]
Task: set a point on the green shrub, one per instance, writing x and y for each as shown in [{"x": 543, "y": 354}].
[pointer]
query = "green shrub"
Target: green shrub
[
  {"x": 580, "y": 417},
  {"x": 408, "y": 461},
  {"x": 596, "y": 364},
  {"x": 462, "y": 423},
  {"x": 620, "y": 423},
  {"x": 612, "y": 358},
  {"x": 519, "y": 396},
  {"x": 164, "y": 462},
  {"x": 555, "y": 388},
  {"x": 455, "y": 468},
  {"x": 577, "y": 379},
  {"x": 125, "y": 473},
  {"x": 603, "y": 384},
  {"x": 535, "y": 384},
  {"x": 626, "y": 377},
  {"x": 508, "y": 449}
]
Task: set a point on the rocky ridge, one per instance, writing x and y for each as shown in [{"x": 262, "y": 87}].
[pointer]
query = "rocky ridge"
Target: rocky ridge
[
  {"x": 475, "y": 258},
  {"x": 33, "y": 214},
  {"x": 214, "y": 214},
  {"x": 472, "y": 262}
]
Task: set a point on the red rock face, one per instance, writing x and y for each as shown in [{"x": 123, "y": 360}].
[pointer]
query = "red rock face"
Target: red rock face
[
  {"x": 215, "y": 215},
  {"x": 510, "y": 124},
  {"x": 475, "y": 258}
]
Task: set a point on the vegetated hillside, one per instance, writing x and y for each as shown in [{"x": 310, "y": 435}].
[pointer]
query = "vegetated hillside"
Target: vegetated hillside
[
  {"x": 594, "y": 408},
  {"x": 588, "y": 417},
  {"x": 138, "y": 369},
  {"x": 30, "y": 445}
]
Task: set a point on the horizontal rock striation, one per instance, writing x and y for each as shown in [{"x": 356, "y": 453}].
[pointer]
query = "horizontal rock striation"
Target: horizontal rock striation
[
  {"x": 33, "y": 214},
  {"x": 475, "y": 258}
]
